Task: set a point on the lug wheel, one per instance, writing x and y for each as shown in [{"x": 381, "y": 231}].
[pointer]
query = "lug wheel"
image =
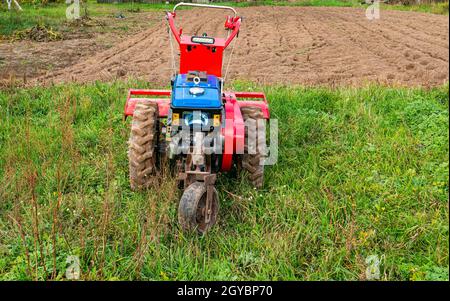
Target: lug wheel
[
  {"x": 255, "y": 145},
  {"x": 192, "y": 209},
  {"x": 141, "y": 145}
]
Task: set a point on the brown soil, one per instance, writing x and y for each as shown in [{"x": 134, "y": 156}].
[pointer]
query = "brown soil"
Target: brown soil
[
  {"x": 301, "y": 45},
  {"x": 33, "y": 57}
]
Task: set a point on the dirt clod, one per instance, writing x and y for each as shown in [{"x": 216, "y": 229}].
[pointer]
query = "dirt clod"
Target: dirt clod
[
  {"x": 288, "y": 45},
  {"x": 293, "y": 45}
]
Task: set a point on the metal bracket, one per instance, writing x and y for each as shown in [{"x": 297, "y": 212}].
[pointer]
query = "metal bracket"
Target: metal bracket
[{"x": 209, "y": 181}]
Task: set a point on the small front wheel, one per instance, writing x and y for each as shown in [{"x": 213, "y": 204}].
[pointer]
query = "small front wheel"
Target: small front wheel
[{"x": 192, "y": 210}]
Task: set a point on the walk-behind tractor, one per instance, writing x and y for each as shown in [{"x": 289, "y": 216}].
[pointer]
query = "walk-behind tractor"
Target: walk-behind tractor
[{"x": 196, "y": 128}]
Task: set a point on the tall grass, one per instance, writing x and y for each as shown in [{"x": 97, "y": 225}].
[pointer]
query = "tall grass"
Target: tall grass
[{"x": 360, "y": 172}]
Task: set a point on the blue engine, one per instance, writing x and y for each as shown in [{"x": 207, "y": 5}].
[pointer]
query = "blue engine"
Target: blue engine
[{"x": 192, "y": 92}]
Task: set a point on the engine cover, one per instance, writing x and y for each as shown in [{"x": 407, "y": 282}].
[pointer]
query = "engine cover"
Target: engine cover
[{"x": 200, "y": 93}]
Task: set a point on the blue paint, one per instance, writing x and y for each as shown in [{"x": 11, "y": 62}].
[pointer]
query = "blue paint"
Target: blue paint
[{"x": 209, "y": 100}]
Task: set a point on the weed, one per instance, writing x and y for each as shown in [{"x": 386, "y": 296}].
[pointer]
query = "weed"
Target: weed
[{"x": 361, "y": 171}]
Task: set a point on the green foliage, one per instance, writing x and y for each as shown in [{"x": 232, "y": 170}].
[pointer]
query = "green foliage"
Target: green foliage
[
  {"x": 435, "y": 7},
  {"x": 39, "y": 33},
  {"x": 52, "y": 13},
  {"x": 32, "y": 15},
  {"x": 360, "y": 172}
]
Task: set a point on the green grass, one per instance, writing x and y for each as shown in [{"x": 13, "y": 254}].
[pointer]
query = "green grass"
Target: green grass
[
  {"x": 53, "y": 15},
  {"x": 360, "y": 172},
  {"x": 326, "y": 3},
  {"x": 11, "y": 21},
  {"x": 440, "y": 8}
]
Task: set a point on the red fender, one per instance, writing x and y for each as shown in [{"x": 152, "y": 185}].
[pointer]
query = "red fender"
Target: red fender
[
  {"x": 233, "y": 132},
  {"x": 228, "y": 134},
  {"x": 254, "y": 103},
  {"x": 163, "y": 103}
]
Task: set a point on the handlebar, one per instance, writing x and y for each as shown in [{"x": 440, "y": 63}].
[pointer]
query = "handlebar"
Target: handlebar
[
  {"x": 232, "y": 23},
  {"x": 205, "y": 6}
]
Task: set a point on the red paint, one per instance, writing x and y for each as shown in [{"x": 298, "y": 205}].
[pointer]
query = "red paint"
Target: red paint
[
  {"x": 234, "y": 129},
  {"x": 198, "y": 57},
  {"x": 228, "y": 133},
  {"x": 163, "y": 103},
  {"x": 208, "y": 58},
  {"x": 203, "y": 57},
  {"x": 254, "y": 103}
]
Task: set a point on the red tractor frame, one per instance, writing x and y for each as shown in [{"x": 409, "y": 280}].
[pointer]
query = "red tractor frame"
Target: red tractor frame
[{"x": 208, "y": 58}]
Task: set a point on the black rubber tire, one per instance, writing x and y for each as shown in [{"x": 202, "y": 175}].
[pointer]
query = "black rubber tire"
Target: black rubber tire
[
  {"x": 141, "y": 145},
  {"x": 251, "y": 159},
  {"x": 191, "y": 203}
]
